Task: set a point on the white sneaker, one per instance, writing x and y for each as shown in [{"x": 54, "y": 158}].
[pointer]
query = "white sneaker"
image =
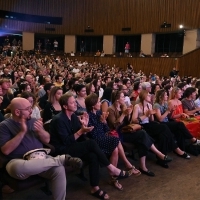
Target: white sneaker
[{"x": 197, "y": 142}]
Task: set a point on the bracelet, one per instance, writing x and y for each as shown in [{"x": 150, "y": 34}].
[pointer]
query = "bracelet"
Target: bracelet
[{"x": 139, "y": 120}]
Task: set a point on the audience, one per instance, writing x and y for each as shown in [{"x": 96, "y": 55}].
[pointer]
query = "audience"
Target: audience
[{"x": 42, "y": 80}]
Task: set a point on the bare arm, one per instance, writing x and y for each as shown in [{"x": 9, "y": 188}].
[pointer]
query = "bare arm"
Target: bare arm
[
  {"x": 104, "y": 106},
  {"x": 160, "y": 117},
  {"x": 12, "y": 144}
]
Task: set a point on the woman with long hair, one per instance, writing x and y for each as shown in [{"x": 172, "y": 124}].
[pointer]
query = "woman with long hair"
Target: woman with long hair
[
  {"x": 80, "y": 98},
  {"x": 97, "y": 85},
  {"x": 144, "y": 114},
  {"x": 110, "y": 145},
  {"x": 177, "y": 128},
  {"x": 52, "y": 107},
  {"x": 175, "y": 104},
  {"x": 32, "y": 99},
  {"x": 90, "y": 88},
  {"x": 119, "y": 116},
  {"x": 136, "y": 91}
]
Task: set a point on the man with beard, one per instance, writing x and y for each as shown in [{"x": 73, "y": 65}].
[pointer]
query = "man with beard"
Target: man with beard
[{"x": 22, "y": 135}]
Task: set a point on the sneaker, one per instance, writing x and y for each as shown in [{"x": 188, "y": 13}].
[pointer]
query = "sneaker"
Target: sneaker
[
  {"x": 185, "y": 155},
  {"x": 73, "y": 162},
  {"x": 197, "y": 142}
]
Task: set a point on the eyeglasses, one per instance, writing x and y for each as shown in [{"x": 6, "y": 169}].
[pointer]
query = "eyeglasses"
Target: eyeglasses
[{"x": 27, "y": 109}]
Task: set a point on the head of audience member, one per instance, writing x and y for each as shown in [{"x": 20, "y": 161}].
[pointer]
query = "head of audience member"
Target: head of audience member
[
  {"x": 107, "y": 79},
  {"x": 117, "y": 97},
  {"x": 190, "y": 93},
  {"x": 47, "y": 87},
  {"x": 176, "y": 93},
  {"x": 59, "y": 79},
  {"x": 29, "y": 78},
  {"x": 30, "y": 97},
  {"x": 90, "y": 88},
  {"x": 80, "y": 90},
  {"x": 155, "y": 88},
  {"x": 144, "y": 96},
  {"x": 6, "y": 71},
  {"x": 125, "y": 90},
  {"x": 46, "y": 80},
  {"x": 71, "y": 83},
  {"x": 113, "y": 85},
  {"x": 189, "y": 80},
  {"x": 146, "y": 86},
  {"x": 137, "y": 86},
  {"x": 68, "y": 103},
  {"x": 92, "y": 103},
  {"x": 182, "y": 86},
  {"x": 24, "y": 87},
  {"x": 161, "y": 95},
  {"x": 55, "y": 94},
  {"x": 168, "y": 88},
  {"x": 197, "y": 84},
  {"x": 20, "y": 108},
  {"x": 5, "y": 85},
  {"x": 127, "y": 82},
  {"x": 97, "y": 84}
]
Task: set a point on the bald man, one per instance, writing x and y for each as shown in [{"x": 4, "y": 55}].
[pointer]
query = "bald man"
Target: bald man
[{"x": 19, "y": 135}]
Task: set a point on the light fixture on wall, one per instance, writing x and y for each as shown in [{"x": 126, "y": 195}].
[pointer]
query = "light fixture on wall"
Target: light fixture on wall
[
  {"x": 181, "y": 26},
  {"x": 165, "y": 25},
  {"x": 89, "y": 29}
]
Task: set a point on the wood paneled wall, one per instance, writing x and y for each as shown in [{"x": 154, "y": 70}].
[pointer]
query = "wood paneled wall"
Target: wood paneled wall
[
  {"x": 189, "y": 64},
  {"x": 160, "y": 66},
  {"x": 105, "y": 16}
]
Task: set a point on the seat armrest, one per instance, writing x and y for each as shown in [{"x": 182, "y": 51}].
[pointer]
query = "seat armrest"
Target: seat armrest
[
  {"x": 3, "y": 160},
  {"x": 50, "y": 146}
]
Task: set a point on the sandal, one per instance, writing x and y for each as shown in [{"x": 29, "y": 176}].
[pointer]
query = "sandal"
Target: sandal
[
  {"x": 98, "y": 194},
  {"x": 134, "y": 171},
  {"x": 116, "y": 184},
  {"x": 122, "y": 175}
]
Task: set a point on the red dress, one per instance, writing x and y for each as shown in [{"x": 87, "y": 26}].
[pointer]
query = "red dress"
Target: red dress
[{"x": 192, "y": 124}]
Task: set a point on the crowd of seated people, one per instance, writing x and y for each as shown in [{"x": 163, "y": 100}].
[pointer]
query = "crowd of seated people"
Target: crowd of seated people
[{"x": 87, "y": 105}]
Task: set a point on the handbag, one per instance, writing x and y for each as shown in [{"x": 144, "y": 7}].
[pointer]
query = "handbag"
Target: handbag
[
  {"x": 113, "y": 133},
  {"x": 131, "y": 128}
]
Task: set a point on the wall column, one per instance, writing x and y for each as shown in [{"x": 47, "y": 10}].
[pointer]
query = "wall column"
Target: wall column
[
  {"x": 190, "y": 42},
  {"x": 109, "y": 44},
  {"x": 148, "y": 43},
  {"x": 28, "y": 41},
  {"x": 70, "y": 43}
]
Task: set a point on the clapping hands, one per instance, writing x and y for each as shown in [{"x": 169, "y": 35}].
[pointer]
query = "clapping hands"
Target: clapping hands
[
  {"x": 104, "y": 117},
  {"x": 38, "y": 126},
  {"x": 84, "y": 119},
  {"x": 128, "y": 110}
]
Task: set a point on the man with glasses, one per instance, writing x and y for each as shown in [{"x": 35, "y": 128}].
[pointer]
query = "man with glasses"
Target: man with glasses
[{"x": 21, "y": 134}]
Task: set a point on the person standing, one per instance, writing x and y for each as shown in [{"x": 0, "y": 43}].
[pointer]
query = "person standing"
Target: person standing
[
  {"x": 127, "y": 47},
  {"x": 55, "y": 44},
  {"x": 82, "y": 46}
]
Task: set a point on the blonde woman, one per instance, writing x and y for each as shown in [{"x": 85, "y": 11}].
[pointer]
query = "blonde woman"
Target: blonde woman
[
  {"x": 52, "y": 107},
  {"x": 31, "y": 98}
]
